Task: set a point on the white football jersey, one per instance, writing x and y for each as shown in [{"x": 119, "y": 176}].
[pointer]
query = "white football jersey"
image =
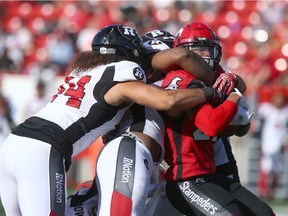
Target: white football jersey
[{"x": 78, "y": 113}]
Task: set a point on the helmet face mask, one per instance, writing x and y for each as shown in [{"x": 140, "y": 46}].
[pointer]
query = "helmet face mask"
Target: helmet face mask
[
  {"x": 119, "y": 40},
  {"x": 208, "y": 53},
  {"x": 199, "y": 35}
]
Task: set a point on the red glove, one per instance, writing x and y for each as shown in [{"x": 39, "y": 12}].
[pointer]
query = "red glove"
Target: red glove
[{"x": 225, "y": 82}]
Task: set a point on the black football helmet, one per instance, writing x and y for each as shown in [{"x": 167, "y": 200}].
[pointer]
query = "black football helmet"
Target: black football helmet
[
  {"x": 118, "y": 39},
  {"x": 162, "y": 35}
]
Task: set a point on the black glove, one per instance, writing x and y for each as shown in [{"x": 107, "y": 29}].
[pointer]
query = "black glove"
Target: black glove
[{"x": 214, "y": 96}]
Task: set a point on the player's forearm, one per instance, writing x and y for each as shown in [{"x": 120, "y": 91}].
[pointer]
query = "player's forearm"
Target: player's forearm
[
  {"x": 185, "y": 99},
  {"x": 155, "y": 97},
  {"x": 211, "y": 120},
  {"x": 195, "y": 65},
  {"x": 189, "y": 61}
]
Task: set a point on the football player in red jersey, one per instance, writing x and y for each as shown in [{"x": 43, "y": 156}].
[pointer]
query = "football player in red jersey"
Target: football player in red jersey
[
  {"x": 201, "y": 39},
  {"x": 193, "y": 187}
]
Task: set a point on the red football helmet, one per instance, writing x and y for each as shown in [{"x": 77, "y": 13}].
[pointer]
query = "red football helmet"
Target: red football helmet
[{"x": 199, "y": 37}]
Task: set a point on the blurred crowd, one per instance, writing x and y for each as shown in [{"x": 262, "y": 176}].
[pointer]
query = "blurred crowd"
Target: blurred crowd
[{"x": 40, "y": 37}]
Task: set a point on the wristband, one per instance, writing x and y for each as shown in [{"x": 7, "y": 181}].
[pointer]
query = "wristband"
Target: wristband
[
  {"x": 208, "y": 92},
  {"x": 236, "y": 91}
]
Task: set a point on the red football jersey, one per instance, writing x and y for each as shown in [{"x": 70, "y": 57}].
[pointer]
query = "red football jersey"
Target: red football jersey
[{"x": 189, "y": 138}]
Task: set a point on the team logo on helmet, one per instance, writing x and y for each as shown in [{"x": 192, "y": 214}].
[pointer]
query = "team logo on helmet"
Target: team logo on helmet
[
  {"x": 119, "y": 40},
  {"x": 159, "y": 34},
  {"x": 155, "y": 34},
  {"x": 127, "y": 32}
]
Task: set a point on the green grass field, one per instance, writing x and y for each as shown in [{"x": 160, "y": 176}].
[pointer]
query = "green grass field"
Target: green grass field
[{"x": 280, "y": 207}]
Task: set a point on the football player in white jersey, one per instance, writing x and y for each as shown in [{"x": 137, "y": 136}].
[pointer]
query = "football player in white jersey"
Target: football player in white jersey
[
  {"x": 132, "y": 156},
  {"x": 102, "y": 85},
  {"x": 127, "y": 168},
  {"x": 142, "y": 146}
]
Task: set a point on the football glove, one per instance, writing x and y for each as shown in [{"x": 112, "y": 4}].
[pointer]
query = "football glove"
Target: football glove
[{"x": 226, "y": 82}]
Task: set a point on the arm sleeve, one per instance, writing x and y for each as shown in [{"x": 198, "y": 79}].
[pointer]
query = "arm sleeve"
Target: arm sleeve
[{"x": 211, "y": 121}]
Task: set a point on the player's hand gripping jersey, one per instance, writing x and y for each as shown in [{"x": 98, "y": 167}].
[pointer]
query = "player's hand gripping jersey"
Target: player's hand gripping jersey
[{"x": 190, "y": 137}]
